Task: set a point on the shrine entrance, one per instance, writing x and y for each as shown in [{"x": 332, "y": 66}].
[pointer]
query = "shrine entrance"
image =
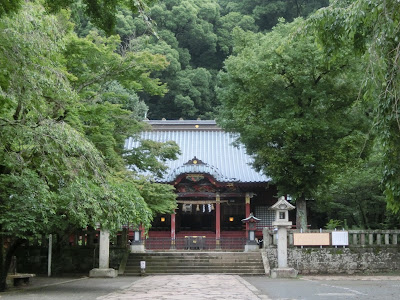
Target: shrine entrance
[
  {"x": 206, "y": 210},
  {"x": 196, "y": 218}
]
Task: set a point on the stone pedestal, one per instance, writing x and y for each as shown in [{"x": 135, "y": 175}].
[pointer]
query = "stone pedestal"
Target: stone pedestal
[
  {"x": 103, "y": 273},
  {"x": 251, "y": 248},
  {"x": 282, "y": 247},
  {"x": 137, "y": 248},
  {"x": 283, "y": 273},
  {"x": 104, "y": 256}
]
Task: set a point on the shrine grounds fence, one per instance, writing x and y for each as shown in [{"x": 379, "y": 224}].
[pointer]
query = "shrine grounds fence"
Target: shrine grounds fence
[
  {"x": 355, "y": 238},
  {"x": 337, "y": 252}
]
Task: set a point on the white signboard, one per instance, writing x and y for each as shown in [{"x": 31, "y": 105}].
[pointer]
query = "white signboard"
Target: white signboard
[
  {"x": 143, "y": 264},
  {"x": 340, "y": 238}
]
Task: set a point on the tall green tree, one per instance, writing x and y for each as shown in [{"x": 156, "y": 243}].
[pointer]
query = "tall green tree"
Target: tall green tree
[
  {"x": 295, "y": 113},
  {"x": 372, "y": 29},
  {"x": 356, "y": 195},
  {"x": 58, "y": 170}
]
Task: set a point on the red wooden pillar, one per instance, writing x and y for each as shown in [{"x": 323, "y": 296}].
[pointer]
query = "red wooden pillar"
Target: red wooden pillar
[
  {"x": 247, "y": 210},
  {"x": 173, "y": 232},
  {"x": 217, "y": 220}
]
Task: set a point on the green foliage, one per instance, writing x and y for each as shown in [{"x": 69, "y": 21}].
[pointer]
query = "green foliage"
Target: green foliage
[
  {"x": 371, "y": 28},
  {"x": 62, "y": 131},
  {"x": 9, "y": 6},
  {"x": 102, "y": 13},
  {"x": 152, "y": 191},
  {"x": 296, "y": 114},
  {"x": 357, "y": 196},
  {"x": 106, "y": 82},
  {"x": 189, "y": 42},
  {"x": 267, "y": 13},
  {"x": 95, "y": 63},
  {"x": 151, "y": 155},
  {"x": 192, "y": 35},
  {"x": 53, "y": 169},
  {"x": 333, "y": 224},
  {"x": 127, "y": 99},
  {"x": 226, "y": 25},
  {"x": 67, "y": 105}
]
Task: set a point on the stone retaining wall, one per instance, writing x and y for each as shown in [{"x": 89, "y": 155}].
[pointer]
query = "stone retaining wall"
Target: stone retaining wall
[{"x": 339, "y": 260}]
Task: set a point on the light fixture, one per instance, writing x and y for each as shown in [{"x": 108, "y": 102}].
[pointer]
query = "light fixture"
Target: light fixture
[
  {"x": 197, "y": 208},
  {"x": 231, "y": 219},
  {"x": 162, "y": 219}
]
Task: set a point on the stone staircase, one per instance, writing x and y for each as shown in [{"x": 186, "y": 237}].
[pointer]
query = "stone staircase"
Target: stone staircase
[{"x": 157, "y": 263}]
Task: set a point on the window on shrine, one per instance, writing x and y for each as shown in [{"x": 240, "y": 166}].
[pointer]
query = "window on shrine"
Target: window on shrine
[{"x": 266, "y": 215}]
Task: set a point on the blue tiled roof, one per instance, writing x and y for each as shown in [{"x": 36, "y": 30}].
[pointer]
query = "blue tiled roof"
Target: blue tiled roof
[{"x": 208, "y": 143}]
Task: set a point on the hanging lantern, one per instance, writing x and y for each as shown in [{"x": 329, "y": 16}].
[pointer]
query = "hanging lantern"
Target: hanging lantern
[
  {"x": 197, "y": 208},
  {"x": 212, "y": 206}
]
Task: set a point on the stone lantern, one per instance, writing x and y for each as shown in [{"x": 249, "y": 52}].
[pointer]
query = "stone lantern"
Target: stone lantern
[
  {"x": 251, "y": 244},
  {"x": 282, "y": 223},
  {"x": 282, "y": 208}
]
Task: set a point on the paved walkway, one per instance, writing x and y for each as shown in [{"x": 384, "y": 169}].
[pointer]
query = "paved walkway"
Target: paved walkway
[{"x": 184, "y": 287}]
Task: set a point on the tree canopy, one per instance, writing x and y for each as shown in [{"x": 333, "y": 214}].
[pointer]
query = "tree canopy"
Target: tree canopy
[
  {"x": 102, "y": 13},
  {"x": 297, "y": 114},
  {"x": 195, "y": 37},
  {"x": 371, "y": 28},
  {"x": 65, "y": 111}
]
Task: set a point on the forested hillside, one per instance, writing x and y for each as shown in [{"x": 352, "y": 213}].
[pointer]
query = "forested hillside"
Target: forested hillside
[{"x": 195, "y": 37}]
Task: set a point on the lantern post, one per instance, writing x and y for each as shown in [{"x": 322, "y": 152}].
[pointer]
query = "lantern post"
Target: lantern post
[
  {"x": 251, "y": 244},
  {"x": 282, "y": 223}
]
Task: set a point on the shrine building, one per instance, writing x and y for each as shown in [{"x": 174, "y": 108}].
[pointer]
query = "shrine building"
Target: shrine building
[{"x": 216, "y": 188}]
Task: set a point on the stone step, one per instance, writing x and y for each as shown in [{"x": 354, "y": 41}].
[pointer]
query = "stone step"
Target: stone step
[
  {"x": 193, "y": 264},
  {"x": 182, "y": 273},
  {"x": 197, "y": 266},
  {"x": 198, "y": 253},
  {"x": 206, "y": 259},
  {"x": 212, "y": 261},
  {"x": 189, "y": 257},
  {"x": 239, "y": 263},
  {"x": 197, "y": 270}
]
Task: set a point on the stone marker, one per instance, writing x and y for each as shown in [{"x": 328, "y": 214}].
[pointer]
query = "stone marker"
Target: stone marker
[{"x": 104, "y": 256}]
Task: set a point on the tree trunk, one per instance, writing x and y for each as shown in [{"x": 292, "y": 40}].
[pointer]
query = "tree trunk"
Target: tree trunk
[
  {"x": 301, "y": 213},
  {"x": 5, "y": 259}
]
